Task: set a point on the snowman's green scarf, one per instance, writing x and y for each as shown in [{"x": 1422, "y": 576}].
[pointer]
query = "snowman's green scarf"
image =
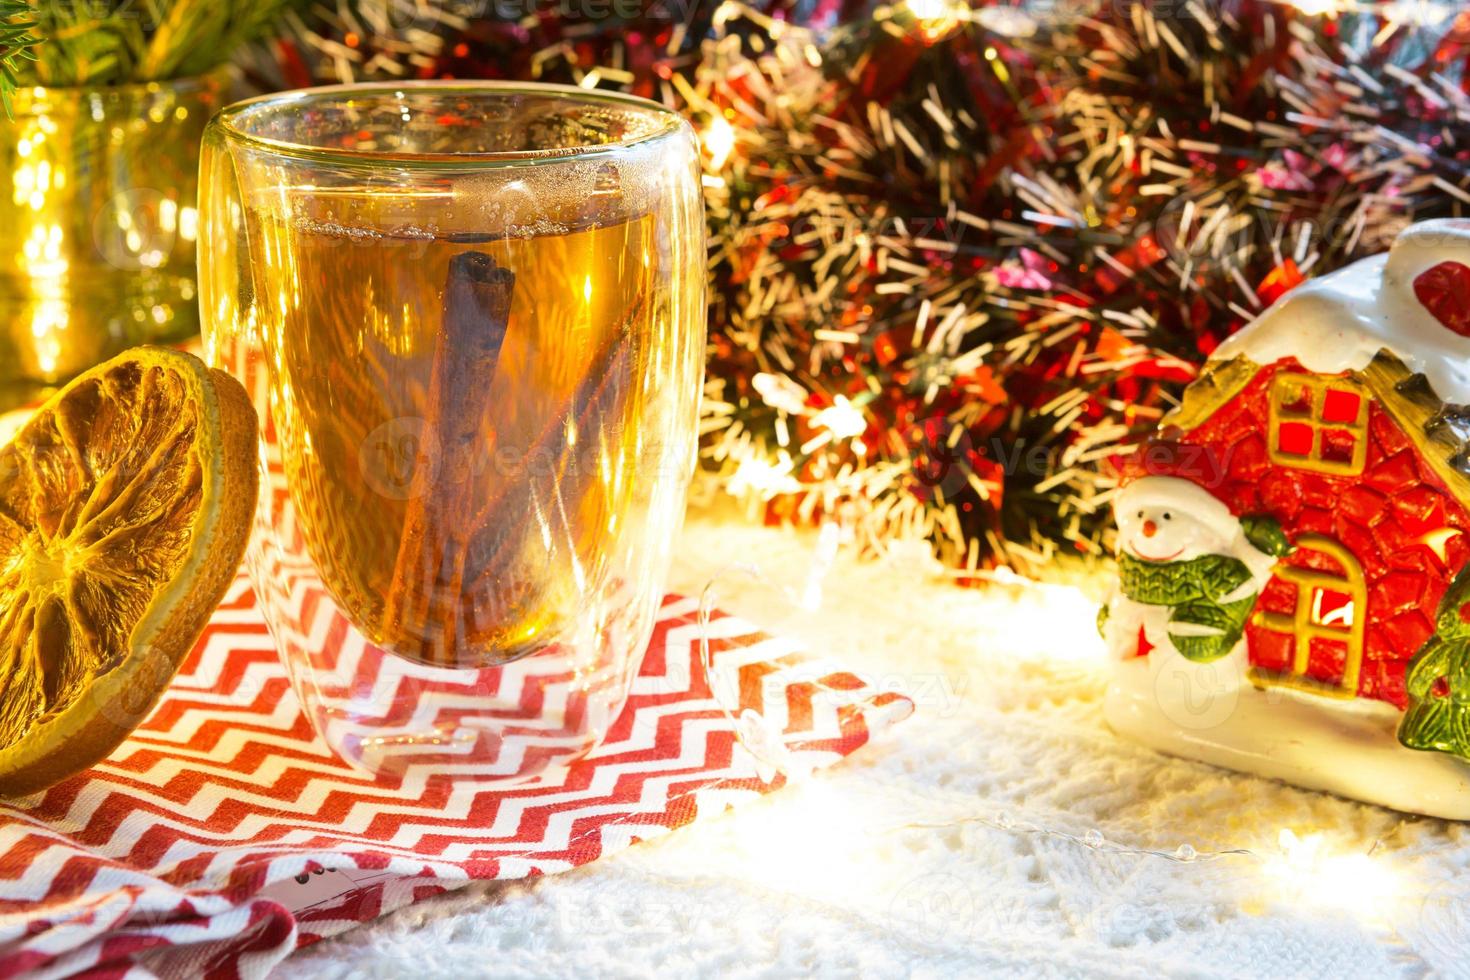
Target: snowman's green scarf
[{"x": 1194, "y": 589}]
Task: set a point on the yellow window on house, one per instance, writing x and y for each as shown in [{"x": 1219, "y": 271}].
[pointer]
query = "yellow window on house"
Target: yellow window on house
[
  {"x": 1319, "y": 424},
  {"x": 1330, "y": 607}
]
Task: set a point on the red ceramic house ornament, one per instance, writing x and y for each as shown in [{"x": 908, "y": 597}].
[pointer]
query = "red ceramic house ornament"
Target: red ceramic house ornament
[{"x": 1291, "y": 538}]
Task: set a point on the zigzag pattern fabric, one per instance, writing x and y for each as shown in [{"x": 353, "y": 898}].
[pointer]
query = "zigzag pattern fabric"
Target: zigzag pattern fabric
[{"x": 224, "y": 834}]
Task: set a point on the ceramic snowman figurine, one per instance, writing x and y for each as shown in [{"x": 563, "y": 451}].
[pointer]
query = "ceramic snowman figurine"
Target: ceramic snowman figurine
[
  {"x": 1323, "y": 637},
  {"x": 1189, "y": 574}
]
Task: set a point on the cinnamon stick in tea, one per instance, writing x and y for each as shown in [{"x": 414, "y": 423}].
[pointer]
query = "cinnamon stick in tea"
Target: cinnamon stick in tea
[
  {"x": 509, "y": 505},
  {"x": 428, "y": 575}
]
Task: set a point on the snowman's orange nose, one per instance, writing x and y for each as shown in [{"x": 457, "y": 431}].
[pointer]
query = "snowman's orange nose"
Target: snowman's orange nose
[{"x": 1150, "y": 529}]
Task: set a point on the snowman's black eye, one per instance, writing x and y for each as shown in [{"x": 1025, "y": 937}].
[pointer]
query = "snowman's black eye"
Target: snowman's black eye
[
  {"x": 1168, "y": 516},
  {"x": 1140, "y": 515}
]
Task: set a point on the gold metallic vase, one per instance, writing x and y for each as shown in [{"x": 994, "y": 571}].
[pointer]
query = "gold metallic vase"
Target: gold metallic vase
[{"x": 97, "y": 225}]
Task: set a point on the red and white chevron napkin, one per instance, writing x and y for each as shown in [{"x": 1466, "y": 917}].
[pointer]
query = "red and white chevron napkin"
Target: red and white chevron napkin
[{"x": 224, "y": 834}]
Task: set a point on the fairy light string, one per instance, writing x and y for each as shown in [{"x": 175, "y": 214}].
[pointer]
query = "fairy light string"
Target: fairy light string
[{"x": 1092, "y": 840}]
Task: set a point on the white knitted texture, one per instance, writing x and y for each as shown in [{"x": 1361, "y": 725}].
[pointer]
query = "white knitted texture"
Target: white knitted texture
[{"x": 823, "y": 878}]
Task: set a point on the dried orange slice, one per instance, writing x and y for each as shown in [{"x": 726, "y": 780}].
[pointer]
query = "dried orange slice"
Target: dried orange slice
[{"x": 125, "y": 505}]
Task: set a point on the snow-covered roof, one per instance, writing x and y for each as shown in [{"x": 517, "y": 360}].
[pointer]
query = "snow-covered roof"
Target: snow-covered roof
[{"x": 1341, "y": 321}]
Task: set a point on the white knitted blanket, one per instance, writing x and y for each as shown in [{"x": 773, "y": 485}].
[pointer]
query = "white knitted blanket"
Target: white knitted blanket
[{"x": 878, "y": 867}]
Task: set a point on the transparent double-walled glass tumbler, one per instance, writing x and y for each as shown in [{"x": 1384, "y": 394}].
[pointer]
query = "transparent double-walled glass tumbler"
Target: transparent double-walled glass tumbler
[{"x": 471, "y": 317}]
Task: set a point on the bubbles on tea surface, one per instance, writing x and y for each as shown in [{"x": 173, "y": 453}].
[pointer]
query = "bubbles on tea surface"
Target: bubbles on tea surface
[
  {"x": 357, "y": 233},
  {"x": 575, "y": 194}
]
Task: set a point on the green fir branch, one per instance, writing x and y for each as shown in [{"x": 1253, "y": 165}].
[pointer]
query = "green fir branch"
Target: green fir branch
[
  {"x": 18, "y": 42},
  {"x": 118, "y": 42}
]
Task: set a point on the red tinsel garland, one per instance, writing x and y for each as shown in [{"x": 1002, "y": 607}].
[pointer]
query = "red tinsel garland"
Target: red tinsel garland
[{"x": 963, "y": 254}]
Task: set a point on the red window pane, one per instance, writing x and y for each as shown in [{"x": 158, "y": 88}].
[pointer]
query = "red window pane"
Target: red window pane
[
  {"x": 1271, "y": 650},
  {"x": 1328, "y": 660},
  {"x": 1332, "y": 609},
  {"x": 1296, "y": 400},
  {"x": 1338, "y": 445},
  {"x": 1279, "y": 596},
  {"x": 1340, "y": 406},
  {"x": 1294, "y": 438}
]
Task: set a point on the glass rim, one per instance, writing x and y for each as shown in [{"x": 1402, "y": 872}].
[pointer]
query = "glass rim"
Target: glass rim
[{"x": 227, "y": 121}]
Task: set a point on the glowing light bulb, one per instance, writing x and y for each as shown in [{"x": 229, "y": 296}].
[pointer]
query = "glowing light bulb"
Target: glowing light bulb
[
  {"x": 843, "y": 419},
  {"x": 813, "y": 840},
  {"x": 936, "y": 17},
  {"x": 1308, "y": 872},
  {"x": 779, "y": 391},
  {"x": 927, "y": 9},
  {"x": 719, "y": 141},
  {"x": 764, "y": 478}
]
